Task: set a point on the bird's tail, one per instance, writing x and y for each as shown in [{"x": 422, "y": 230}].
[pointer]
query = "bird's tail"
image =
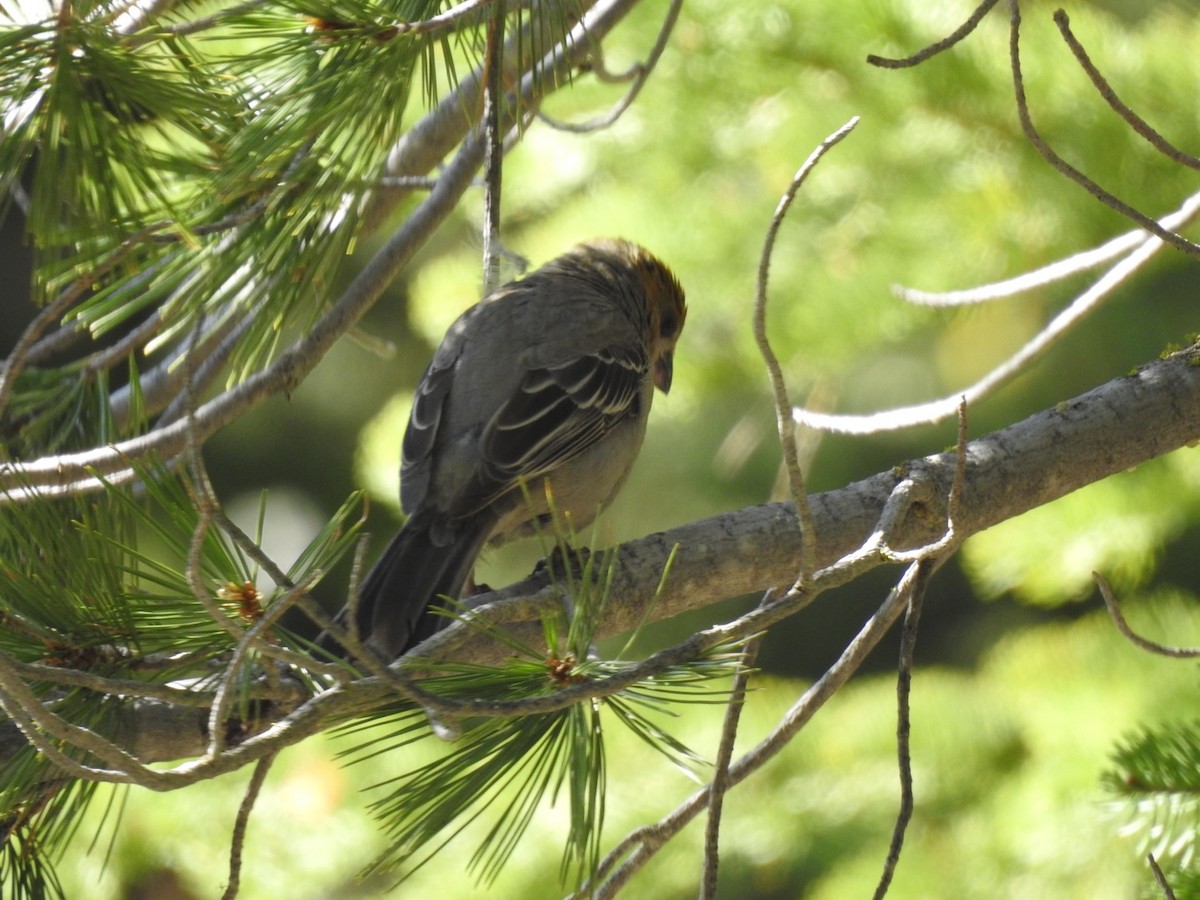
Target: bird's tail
[{"x": 407, "y": 582}]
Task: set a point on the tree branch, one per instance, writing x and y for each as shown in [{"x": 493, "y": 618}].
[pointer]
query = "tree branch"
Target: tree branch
[
  {"x": 423, "y": 146},
  {"x": 1114, "y": 427},
  {"x": 430, "y": 140}
]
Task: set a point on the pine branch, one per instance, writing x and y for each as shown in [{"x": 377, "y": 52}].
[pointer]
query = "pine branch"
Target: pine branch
[{"x": 429, "y": 140}]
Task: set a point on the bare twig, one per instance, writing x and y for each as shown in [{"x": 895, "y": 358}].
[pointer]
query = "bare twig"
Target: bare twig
[
  {"x": 639, "y": 73},
  {"x": 783, "y": 406},
  {"x": 195, "y": 573},
  {"x": 44, "y": 729},
  {"x": 646, "y": 839},
  {"x": 344, "y": 629},
  {"x": 1136, "y": 122},
  {"x": 597, "y": 65},
  {"x": 18, "y": 358},
  {"x": 1055, "y": 271},
  {"x": 493, "y": 160},
  {"x": 129, "y": 687},
  {"x": 638, "y": 854},
  {"x": 240, "y": 824},
  {"x": 937, "y": 410},
  {"x": 720, "y": 781},
  {"x": 204, "y": 499},
  {"x": 938, "y": 46},
  {"x": 908, "y": 643},
  {"x": 137, "y": 338},
  {"x": 356, "y": 572},
  {"x": 1061, "y": 165},
  {"x": 1114, "y": 610},
  {"x": 1163, "y": 885},
  {"x": 213, "y": 354},
  {"x": 947, "y": 543},
  {"x": 254, "y": 637},
  {"x": 914, "y": 489},
  {"x": 211, "y": 514}
]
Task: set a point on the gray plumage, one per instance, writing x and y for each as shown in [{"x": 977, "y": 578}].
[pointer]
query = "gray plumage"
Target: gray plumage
[{"x": 548, "y": 378}]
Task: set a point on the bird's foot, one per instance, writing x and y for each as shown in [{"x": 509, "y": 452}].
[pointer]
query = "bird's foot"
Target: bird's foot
[
  {"x": 473, "y": 587},
  {"x": 564, "y": 562}
]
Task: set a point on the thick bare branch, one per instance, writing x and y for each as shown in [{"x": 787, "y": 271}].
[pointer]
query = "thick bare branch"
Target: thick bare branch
[{"x": 1114, "y": 427}]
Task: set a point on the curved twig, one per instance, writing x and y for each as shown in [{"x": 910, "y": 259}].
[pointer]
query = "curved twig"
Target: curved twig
[
  {"x": 1055, "y": 271},
  {"x": 783, "y": 406},
  {"x": 936, "y": 47},
  {"x": 908, "y": 642},
  {"x": 1114, "y": 610},
  {"x": 720, "y": 780},
  {"x": 944, "y": 407},
  {"x": 240, "y": 824},
  {"x": 640, "y": 73},
  {"x": 1061, "y": 165},
  {"x": 1136, "y": 122}
]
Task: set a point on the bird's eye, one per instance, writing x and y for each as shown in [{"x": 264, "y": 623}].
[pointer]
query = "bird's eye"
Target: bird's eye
[{"x": 668, "y": 325}]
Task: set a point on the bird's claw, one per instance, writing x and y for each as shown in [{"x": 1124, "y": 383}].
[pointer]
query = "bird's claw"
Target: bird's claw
[{"x": 564, "y": 562}]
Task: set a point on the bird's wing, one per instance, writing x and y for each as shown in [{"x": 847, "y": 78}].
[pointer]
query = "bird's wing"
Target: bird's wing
[
  {"x": 419, "y": 438},
  {"x": 556, "y": 413}
]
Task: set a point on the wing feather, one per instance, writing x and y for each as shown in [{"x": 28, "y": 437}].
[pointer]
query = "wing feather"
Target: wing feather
[{"x": 556, "y": 413}]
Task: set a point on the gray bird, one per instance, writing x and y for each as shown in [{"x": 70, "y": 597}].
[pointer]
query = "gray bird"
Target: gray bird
[{"x": 549, "y": 379}]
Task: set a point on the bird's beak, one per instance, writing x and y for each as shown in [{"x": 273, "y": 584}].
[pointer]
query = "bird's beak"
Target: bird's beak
[{"x": 664, "y": 369}]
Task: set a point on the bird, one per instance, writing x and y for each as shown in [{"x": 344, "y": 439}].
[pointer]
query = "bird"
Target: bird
[{"x": 542, "y": 389}]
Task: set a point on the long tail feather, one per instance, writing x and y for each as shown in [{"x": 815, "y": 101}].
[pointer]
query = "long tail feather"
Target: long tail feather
[{"x": 407, "y": 581}]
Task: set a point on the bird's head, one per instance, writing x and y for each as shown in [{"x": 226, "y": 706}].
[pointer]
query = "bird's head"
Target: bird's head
[{"x": 666, "y": 310}]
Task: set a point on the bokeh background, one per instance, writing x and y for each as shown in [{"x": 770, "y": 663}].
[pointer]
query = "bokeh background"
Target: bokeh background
[{"x": 1023, "y": 686}]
